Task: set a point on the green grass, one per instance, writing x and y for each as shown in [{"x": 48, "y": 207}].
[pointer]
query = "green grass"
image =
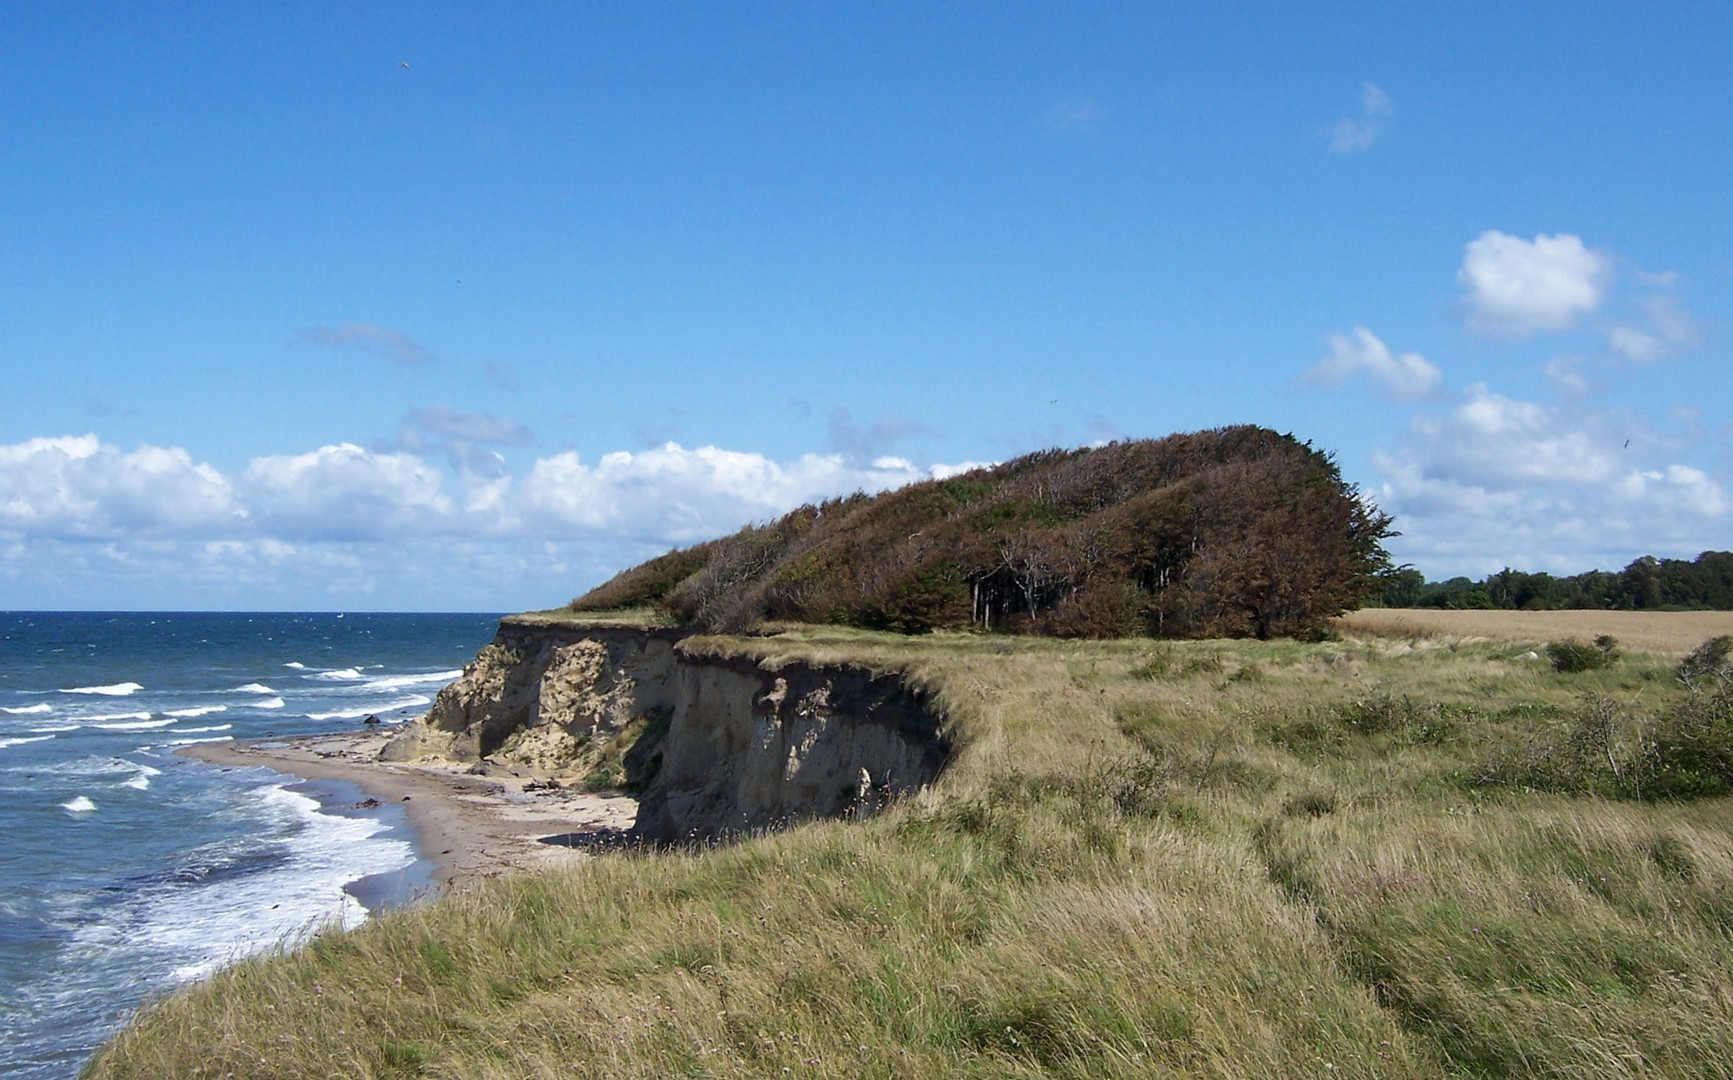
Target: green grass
[{"x": 1145, "y": 859}]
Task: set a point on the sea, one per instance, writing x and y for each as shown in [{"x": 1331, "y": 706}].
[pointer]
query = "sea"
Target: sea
[{"x": 127, "y": 871}]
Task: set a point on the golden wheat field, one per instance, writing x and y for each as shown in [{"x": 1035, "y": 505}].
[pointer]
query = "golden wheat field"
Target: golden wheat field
[{"x": 1669, "y": 632}]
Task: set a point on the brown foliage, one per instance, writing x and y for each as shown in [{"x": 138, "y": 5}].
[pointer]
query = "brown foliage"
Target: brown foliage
[{"x": 1237, "y": 531}]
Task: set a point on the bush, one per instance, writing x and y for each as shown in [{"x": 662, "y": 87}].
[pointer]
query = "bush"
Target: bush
[
  {"x": 1707, "y": 660},
  {"x": 1684, "y": 752},
  {"x": 1571, "y": 655},
  {"x": 1690, "y": 750}
]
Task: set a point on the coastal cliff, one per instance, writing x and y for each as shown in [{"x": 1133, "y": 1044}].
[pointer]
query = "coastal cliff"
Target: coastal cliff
[{"x": 717, "y": 742}]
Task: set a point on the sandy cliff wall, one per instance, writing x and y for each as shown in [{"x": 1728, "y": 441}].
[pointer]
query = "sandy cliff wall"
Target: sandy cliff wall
[
  {"x": 717, "y": 744},
  {"x": 541, "y": 696}
]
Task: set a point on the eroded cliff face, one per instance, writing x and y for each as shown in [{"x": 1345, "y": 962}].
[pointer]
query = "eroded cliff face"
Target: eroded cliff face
[
  {"x": 547, "y": 699},
  {"x": 717, "y": 745},
  {"x": 750, "y": 748}
]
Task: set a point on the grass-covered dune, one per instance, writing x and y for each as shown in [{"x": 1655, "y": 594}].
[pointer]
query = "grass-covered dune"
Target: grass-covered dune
[{"x": 1375, "y": 857}]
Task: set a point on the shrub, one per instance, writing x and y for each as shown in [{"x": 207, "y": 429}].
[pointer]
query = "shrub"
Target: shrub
[
  {"x": 1709, "y": 659},
  {"x": 1571, "y": 655},
  {"x": 1690, "y": 750},
  {"x": 1683, "y": 752}
]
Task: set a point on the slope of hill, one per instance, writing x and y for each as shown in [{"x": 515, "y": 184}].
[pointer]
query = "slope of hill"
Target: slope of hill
[{"x": 1238, "y": 531}]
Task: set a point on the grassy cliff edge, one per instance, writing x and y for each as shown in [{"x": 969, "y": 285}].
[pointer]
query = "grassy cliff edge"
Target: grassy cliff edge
[{"x": 1381, "y": 856}]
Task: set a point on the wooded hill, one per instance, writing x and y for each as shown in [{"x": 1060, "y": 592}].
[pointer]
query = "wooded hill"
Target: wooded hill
[{"x": 1239, "y": 531}]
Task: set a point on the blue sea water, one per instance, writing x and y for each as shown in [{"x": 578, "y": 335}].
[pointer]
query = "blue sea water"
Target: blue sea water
[{"x": 126, "y": 870}]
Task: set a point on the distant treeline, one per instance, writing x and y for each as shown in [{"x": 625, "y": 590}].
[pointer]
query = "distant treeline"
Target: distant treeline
[{"x": 1647, "y": 584}]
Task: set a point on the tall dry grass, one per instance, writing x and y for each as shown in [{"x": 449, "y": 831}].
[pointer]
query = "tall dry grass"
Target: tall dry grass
[{"x": 1191, "y": 859}]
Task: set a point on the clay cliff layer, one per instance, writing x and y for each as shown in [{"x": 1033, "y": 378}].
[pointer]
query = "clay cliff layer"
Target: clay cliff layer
[{"x": 715, "y": 744}]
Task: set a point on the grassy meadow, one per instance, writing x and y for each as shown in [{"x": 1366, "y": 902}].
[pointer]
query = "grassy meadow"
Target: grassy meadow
[{"x": 1380, "y": 856}]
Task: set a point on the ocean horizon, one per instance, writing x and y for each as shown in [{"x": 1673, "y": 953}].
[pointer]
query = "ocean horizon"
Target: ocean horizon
[{"x": 134, "y": 871}]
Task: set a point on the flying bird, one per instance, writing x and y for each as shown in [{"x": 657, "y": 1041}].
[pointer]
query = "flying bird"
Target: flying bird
[
  {"x": 404, "y": 64},
  {"x": 1627, "y": 444}
]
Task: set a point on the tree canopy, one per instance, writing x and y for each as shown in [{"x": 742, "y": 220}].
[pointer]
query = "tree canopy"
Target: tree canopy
[
  {"x": 1647, "y": 584},
  {"x": 1237, "y": 531}
]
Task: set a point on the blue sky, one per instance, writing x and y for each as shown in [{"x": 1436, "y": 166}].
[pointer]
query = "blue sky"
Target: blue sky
[{"x": 421, "y": 307}]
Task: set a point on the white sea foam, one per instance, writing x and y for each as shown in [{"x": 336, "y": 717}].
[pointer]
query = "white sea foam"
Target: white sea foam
[
  {"x": 113, "y": 690},
  {"x": 189, "y": 742},
  {"x": 214, "y": 922},
  {"x": 267, "y": 703},
  {"x": 136, "y": 725},
  {"x": 347, "y": 674},
  {"x": 94, "y": 717},
  {"x": 296, "y": 664},
  {"x": 202, "y": 710},
  {"x": 141, "y": 779},
  {"x": 254, "y": 688},
  {"x": 54, "y": 729},
  {"x": 80, "y": 805},
  {"x": 28, "y": 710},
  {"x": 198, "y": 730},
  {"x": 22, "y": 739},
  {"x": 388, "y": 706},
  {"x": 398, "y": 682}
]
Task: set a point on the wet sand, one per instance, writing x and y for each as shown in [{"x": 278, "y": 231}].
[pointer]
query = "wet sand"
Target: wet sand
[{"x": 468, "y": 826}]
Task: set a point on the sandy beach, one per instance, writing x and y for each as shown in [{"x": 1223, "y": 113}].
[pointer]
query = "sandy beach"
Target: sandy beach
[{"x": 468, "y": 825}]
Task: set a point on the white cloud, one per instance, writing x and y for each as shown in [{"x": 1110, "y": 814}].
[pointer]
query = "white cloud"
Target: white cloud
[
  {"x": 1566, "y": 375},
  {"x": 1498, "y": 482},
  {"x": 344, "y": 492},
  {"x": 1667, "y": 328},
  {"x": 1517, "y": 287},
  {"x": 79, "y": 486},
  {"x": 1354, "y": 134},
  {"x": 81, "y": 522},
  {"x": 1404, "y": 377},
  {"x": 677, "y": 495}
]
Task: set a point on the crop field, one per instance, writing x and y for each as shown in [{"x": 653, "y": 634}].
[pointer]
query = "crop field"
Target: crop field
[
  {"x": 1671, "y": 633},
  {"x": 1383, "y": 856}
]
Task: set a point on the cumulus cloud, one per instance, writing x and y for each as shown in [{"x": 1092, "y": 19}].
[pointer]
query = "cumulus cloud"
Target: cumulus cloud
[
  {"x": 1499, "y": 481},
  {"x": 84, "y": 523},
  {"x": 343, "y": 492},
  {"x": 380, "y": 340},
  {"x": 1402, "y": 377},
  {"x": 677, "y": 495},
  {"x": 79, "y": 486},
  {"x": 1352, "y": 134},
  {"x": 75, "y": 505},
  {"x": 1518, "y": 287}
]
